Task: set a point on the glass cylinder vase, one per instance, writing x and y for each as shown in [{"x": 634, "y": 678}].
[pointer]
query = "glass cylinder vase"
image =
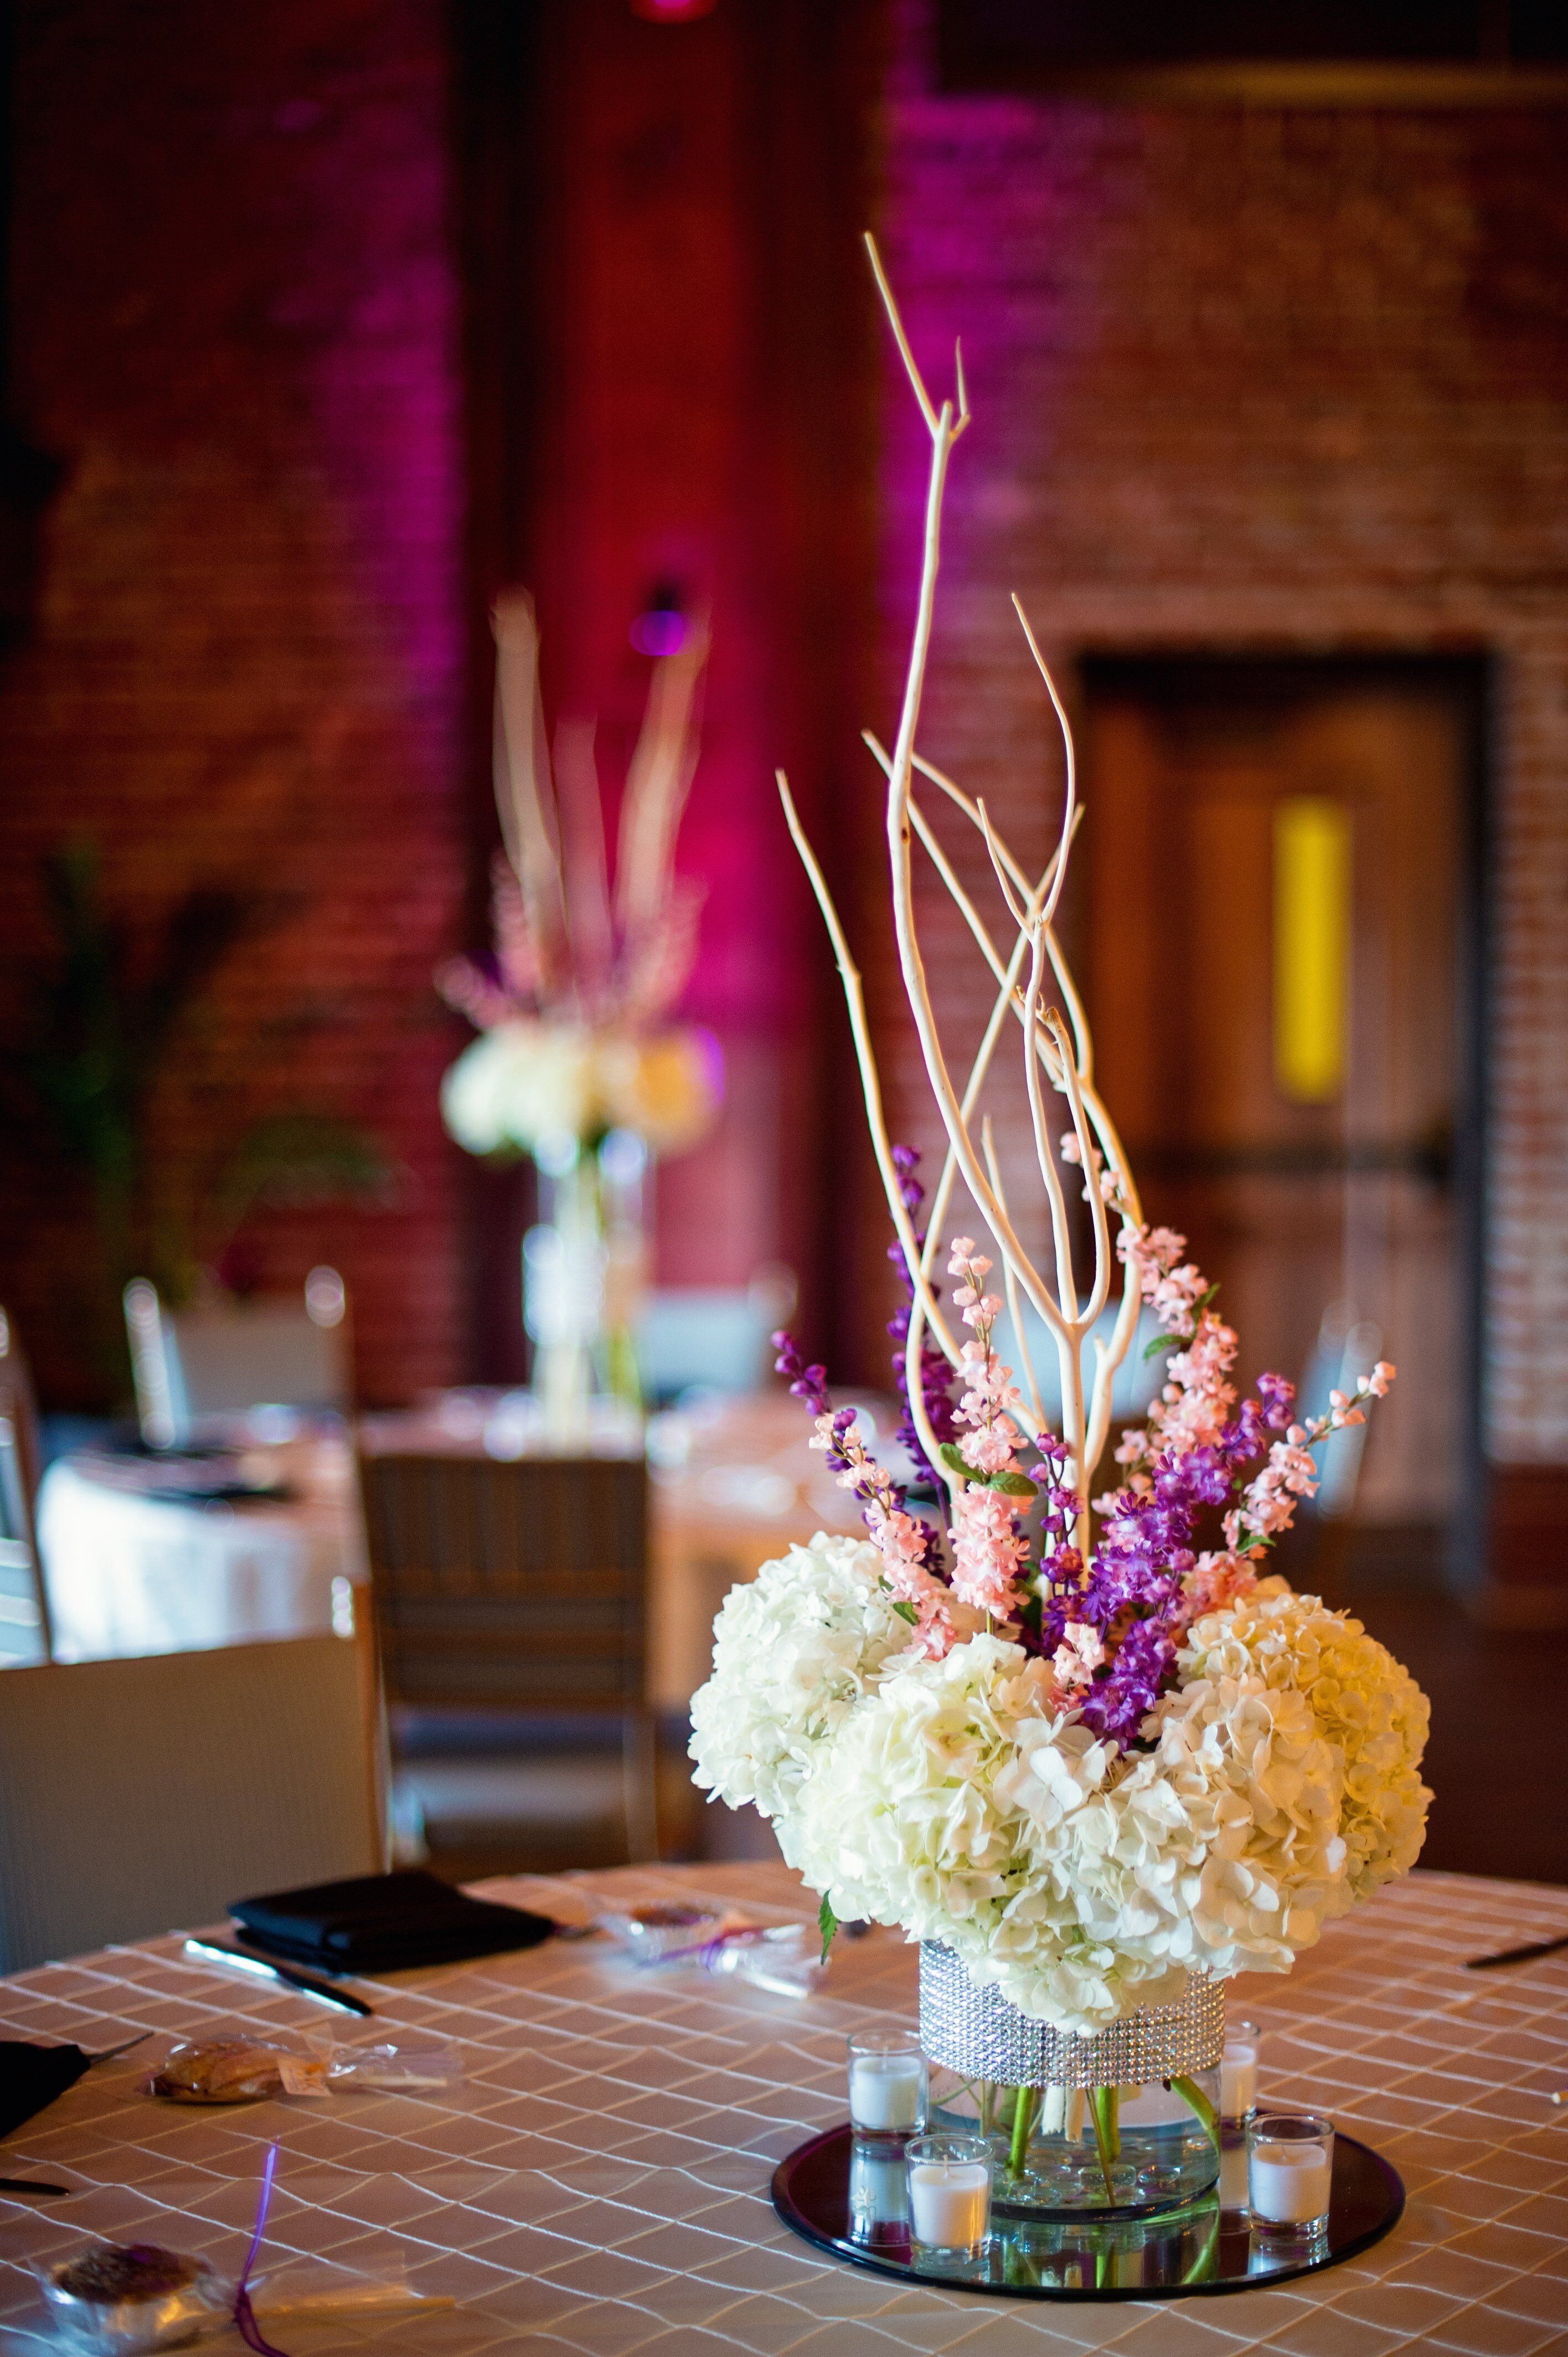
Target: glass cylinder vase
[
  {"x": 584, "y": 1272},
  {"x": 1120, "y": 2124}
]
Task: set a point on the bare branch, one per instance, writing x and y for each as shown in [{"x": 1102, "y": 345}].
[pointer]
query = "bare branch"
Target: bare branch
[
  {"x": 1014, "y": 1308},
  {"x": 896, "y": 324}
]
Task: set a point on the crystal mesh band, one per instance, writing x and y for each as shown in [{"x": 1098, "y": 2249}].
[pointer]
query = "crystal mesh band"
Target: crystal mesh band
[{"x": 977, "y": 2033}]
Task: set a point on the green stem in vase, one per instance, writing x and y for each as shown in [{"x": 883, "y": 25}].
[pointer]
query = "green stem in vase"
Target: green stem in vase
[
  {"x": 1202, "y": 2265},
  {"x": 1195, "y": 2099},
  {"x": 1023, "y": 2103},
  {"x": 1105, "y": 2110}
]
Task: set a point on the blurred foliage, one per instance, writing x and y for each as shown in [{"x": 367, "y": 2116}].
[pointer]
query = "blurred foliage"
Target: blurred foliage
[{"x": 118, "y": 1072}]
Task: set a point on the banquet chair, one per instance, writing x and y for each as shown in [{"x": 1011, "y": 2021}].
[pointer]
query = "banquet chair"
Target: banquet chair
[
  {"x": 146, "y": 1794},
  {"x": 710, "y": 1337},
  {"x": 24, "y": 1602},
  {"x": 221, "y": 1356},
  {"x": 510, "y": 1598}
]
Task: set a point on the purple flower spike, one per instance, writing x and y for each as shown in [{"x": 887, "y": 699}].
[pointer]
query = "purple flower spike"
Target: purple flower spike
[{"x": 807, "y": 1384}]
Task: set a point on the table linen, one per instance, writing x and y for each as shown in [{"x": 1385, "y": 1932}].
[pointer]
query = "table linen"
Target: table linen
[
  {"x": 133, "y": 1573},
  {"x": 598, "y": 2181},
  {"x": 734, "y": 1482}
]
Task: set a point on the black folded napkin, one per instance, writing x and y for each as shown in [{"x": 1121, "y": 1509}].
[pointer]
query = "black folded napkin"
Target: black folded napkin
[
  {"x": 384, "y": 1922},
  {"x": 32, "y": 2076}
]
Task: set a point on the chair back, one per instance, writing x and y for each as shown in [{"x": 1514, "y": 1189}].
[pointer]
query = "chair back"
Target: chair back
[
  {"x": 144, "y": 1795},
  {"x": 512, "y": 1584},
  {"x": 222, "y": 1358},
  {"x": 23, "y": 1604},
  {"x": 712, "y": 1337}
]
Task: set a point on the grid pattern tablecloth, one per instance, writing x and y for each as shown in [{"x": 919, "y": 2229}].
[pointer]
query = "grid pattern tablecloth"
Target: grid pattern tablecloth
[{"x": 598, "y": 2181}]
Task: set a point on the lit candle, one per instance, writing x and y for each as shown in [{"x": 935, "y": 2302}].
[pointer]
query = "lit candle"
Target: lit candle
[
  {"x": 1288, "y": 2184},
  {"x": 951, "y": 2201},
  {"x": 885, "y": 2093}
]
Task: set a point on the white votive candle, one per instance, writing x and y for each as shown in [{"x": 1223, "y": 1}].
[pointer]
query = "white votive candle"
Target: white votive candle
[
  {"x": 950, "y": 2203},
  {"x": 1238, "y": 2084},
  {"x": 885, "y": 2093},
  {"x": 1288, "y": 2184},
  {"x": 1239, "y": 2070}
]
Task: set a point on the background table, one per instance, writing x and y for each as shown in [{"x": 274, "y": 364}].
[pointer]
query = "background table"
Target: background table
[
  {"x": 599, "y": 2181},
  {"x": 733, "y": 1483},
  {"x": 129, "y": 1572}
]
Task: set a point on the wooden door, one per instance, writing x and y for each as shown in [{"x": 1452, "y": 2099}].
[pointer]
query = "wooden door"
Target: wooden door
[{"x": 1278, "y": 966}]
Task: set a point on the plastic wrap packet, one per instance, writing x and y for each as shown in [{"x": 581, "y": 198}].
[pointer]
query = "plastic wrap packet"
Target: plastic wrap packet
[
  {"x": 225, "y": 2071},
  {"x": 247, "y": 2071},
  {"x": 316, "y": 2291},
  {"x": 411, "y": 2068},
  {"x": 116, "y": 2299},
  {"x": 665, "y": 1930},
  {"x": 780, "y": 1957}
]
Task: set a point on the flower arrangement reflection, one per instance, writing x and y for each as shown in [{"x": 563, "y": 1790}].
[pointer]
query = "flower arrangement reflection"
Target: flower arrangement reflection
[{"x": 1068, "y": 1725}]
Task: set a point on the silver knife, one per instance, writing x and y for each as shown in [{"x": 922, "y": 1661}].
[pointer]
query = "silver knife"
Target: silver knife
[{"x": 216, "y": 1951}]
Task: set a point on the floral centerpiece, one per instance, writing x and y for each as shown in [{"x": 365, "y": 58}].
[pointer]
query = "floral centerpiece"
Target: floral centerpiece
[
  {"x": 1076, "y": 1740},
  {"x": 578, "y": 1061}
]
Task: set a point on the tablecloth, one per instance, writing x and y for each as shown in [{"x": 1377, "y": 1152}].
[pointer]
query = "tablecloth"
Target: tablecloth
[
  {"x": 734, "y": 1482},
  {"x": 598, "y": 2181},
  {"x": 139, "y": 1573}
]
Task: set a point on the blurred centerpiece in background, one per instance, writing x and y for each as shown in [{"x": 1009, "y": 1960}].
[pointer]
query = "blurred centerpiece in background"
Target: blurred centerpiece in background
[{"x": 577, "y": 1062}]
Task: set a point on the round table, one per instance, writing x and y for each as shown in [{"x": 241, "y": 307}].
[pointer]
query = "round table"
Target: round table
[
  {"x": 597, "y": 2179},
  {"x": 734, "y": 1483},
  {"x": 129, "y": 1570}
]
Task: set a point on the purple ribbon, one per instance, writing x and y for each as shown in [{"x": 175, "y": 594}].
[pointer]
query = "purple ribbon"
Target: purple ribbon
[{"x": 249, "y": 2332}]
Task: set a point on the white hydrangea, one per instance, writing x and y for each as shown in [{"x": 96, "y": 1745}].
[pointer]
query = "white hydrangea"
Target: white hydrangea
[
  {"x": 794, "y": 1649},
  {"x": 1083, "y": 1880},
  {"x": 1371, "y": 1713},
  {"x": 953, "y": 1798},
  {"x": 915, "y": 1815}
]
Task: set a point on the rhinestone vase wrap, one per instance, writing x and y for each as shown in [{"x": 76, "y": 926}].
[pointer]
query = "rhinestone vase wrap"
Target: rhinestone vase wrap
[{"x": 975, "y": 2032}]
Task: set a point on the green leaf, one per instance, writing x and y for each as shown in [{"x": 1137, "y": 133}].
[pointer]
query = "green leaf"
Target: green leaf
[
  {"x": 827, "y": 1924},
  {"x": 1011, "y": 1484},
  {"x": 955, "y": 1460},
  {"x": 1161, "y": 1343},
  {"x": 906, "y": 1610}
]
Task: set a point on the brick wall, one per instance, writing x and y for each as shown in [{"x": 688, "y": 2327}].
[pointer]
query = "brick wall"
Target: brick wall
[
  {"x": 1263, "y": 379},
  {"x": 233, "y": 317}
]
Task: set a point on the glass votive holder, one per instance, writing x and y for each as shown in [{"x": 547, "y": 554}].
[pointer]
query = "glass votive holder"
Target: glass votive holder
[
  {"x": 878, "y": 2194},
  {"x": 1239, "y": 2070},
  {"x": 1232, "y": 2167},
  {"x": 1290, "y": 2174},
  {"x": 887, "y": 2084},
  {"x": 950, "y": 2199}
]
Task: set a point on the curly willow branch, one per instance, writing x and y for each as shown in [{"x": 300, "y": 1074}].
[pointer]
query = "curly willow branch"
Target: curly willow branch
[{"x": 1057, "y": 1052}]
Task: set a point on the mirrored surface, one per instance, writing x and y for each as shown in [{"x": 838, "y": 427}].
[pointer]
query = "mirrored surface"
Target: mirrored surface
[{"x": 856, "y": 2205}]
